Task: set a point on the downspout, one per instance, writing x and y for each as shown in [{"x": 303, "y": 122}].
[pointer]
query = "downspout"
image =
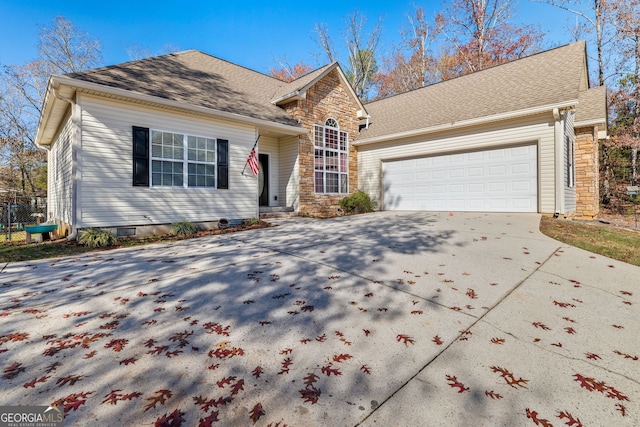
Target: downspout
[
  {"x": 74, "y": 190},
  {"x": 558, "y": 128}
]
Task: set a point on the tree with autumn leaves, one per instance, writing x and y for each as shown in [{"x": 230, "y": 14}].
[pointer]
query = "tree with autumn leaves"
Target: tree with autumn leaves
[{"x": 471, "y": 35}]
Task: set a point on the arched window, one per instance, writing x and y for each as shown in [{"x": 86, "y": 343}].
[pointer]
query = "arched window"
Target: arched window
[
  {"x": 331, "y": 171},
  {"x": 332, "y": 123}
]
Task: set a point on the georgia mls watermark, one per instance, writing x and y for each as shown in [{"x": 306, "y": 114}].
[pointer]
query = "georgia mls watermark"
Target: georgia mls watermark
[{"x": 31, "y": 416}]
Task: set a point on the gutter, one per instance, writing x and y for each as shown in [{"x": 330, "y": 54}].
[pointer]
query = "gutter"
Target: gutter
[{"x": 558, "y": 136}]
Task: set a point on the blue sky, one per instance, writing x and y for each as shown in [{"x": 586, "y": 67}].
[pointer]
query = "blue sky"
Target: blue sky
[{"x": 250, "y": 33}]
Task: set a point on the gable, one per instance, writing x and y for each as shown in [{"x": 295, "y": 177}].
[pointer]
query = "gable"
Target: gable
[{"x": 297, "y": 89}]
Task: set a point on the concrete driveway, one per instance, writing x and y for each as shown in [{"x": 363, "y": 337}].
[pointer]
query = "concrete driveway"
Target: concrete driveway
[{"x": 407, "y": 319}]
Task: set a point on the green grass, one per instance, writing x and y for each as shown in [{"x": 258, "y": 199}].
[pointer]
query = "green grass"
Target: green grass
[{"x": 616, "y": 243}]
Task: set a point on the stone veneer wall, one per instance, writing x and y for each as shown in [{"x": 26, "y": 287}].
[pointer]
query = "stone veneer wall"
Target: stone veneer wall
[
  {"x": 587, "y": 187},
  {"x": 327, "y": 98}
]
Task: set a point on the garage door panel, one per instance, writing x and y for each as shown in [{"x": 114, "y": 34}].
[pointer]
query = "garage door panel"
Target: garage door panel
[
  {"x": 498, "y": 204},
  {"x": 497, "y": 187},
  {"x": 498, "y": 180}
]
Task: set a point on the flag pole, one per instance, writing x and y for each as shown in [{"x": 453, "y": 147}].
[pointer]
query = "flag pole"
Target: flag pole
[{"x": 254, "y": 147}]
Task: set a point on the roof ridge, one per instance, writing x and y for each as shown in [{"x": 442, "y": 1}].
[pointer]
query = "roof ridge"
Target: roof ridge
[{"x": 128, "y": 63}]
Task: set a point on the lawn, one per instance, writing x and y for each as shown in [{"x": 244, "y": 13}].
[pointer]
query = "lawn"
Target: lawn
[
  {"x": 20, "y": 251},
  {"x": 617, "y": 243}
]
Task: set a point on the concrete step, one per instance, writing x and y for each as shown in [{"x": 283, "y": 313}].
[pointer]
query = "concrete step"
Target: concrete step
[{"x": 277, "y": 212}]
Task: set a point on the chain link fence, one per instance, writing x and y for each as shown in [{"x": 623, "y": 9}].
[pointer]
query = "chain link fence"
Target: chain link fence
[{"x": 18, "y": 213}]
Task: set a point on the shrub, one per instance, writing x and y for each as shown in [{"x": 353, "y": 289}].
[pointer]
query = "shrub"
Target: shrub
[
  {"x": 358, "y": 202},
  {"x": 96, "y": 238},
  {"x": 252, "y": 221},
  {"x": 183, "y": 228}
]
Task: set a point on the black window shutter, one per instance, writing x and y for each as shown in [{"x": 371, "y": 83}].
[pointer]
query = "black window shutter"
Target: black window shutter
[
  {"x": 140, "y": 156},
  {"x": 223, "y": 164}
]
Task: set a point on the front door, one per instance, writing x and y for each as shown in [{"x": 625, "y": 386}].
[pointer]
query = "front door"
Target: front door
[{"x": 263, "y": 179}]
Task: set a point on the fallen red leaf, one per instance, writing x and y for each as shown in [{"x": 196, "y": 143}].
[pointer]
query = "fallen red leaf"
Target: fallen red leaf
[
  {"x": 310, "y": 394},
  {"x": 175, "y": 419},
  {"x": 405, "y": 339},
  {"x": 208, "y": 421},
  {"x": 160, "y": 397},
  {"x": 256, "y": 413}
]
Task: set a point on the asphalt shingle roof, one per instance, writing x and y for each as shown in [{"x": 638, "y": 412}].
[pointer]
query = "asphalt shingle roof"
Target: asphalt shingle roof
[
  {"x": 592, "y": 105},
  {"x": 545, "y": 78},
  {"x": 199, "y": 79}
]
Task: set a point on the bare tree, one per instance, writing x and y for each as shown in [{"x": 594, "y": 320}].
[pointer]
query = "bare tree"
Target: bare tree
[
  {"x": 594, "y": 17},
  {"x": 66, "y": 48},
  {"x": 62, "y": 49},
  {"x": 362, "y": 49},
  {"x": 323, "y": 40},
  {"x": 362, "y": 53},
  {"x": 412, "y": 64}
]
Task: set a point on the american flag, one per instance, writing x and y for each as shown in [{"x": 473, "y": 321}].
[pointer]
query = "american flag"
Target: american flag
[{"x": 252, "y": 160}]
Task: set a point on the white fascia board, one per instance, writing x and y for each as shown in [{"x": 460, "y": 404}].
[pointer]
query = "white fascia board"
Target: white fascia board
[
  {"x": 465, "y": 123},
  {"x": 44, "y": 116},
  {"x": 293, "y": 96},
  {"x": 589, "y": 123},
  {"x": 79, "y": 84}
]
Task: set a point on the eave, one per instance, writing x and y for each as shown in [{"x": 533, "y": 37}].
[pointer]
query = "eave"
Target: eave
[
  {"x": 465, "y": 123},
  {"x": 54, "y": 108}
]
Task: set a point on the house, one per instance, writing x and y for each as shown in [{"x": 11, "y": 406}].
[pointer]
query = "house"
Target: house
[{"x": 137, "y": 146}]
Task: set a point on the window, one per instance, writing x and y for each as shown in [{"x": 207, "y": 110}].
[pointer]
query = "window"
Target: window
[
  {"x": 331, "y": 158},
  {"x": 179, "y": 160},
  {"x": 571, "y": 171}
]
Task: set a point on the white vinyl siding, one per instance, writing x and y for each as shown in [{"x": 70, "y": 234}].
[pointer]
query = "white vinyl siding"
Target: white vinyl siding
[
  {"x": 269, "y": 146},
  {"x": 535, "y": 129},
  {"x": 289, "y": 174},
  {"x": 60, "y": 176},
  {"x": 108, "y": 198}
]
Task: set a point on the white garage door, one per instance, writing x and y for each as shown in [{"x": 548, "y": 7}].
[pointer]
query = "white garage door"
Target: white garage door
[{"x": 497, "y": 180}]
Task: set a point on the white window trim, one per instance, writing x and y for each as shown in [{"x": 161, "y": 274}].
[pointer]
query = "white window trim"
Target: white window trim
[
  {"x": 185, "y": 160},
  {"x": 331, "y": 119},
  {"x": 342, "y": 174}
]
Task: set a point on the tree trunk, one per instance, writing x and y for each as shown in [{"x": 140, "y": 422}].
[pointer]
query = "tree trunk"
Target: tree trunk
[
  {"x": 597, "y": 6},
  {"x": 606, "y": 174}
]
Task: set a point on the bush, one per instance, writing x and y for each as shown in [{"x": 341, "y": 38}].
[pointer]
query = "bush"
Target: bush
[
  {"x": 96, "y": 238},
  {"x": 252, "y": 221},
  {"x": 183, "y": 228},
  {"x": 358, "y": 202}
]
